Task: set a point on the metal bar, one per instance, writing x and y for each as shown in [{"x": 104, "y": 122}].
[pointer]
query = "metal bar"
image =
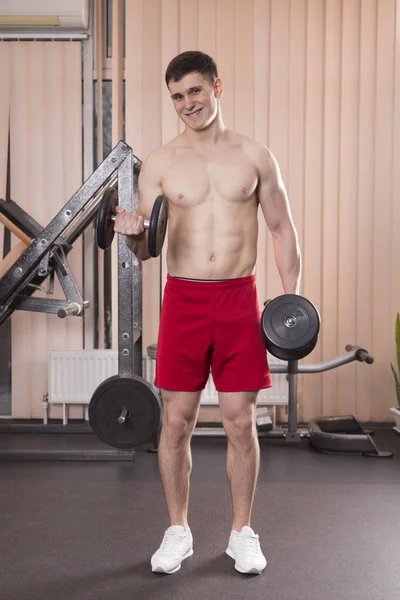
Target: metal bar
[
  {"x": 107, "y": 297},
  {"x": 137, "y": 284},
  {"x": 68, "y": 455},
  {"x": 99, "y": 76},
  {"x": 68, "y": 281},
  {"x": 6, "y": 337},
  {"x": 89, "y": 257},
  {"x": 43, "y": 269},
  {"x": 31, "y": 287},
  {"x": 129, "y": 281},
  {"x": 19, "y": 217},
  {"x": 74, "y": 309},
  {"x": 122, "y": 416},
  {"x": 59, "y": 260},
  {"x": 317, "y": 367},
  {"x": 117, "y": 71},
  {"x": 220, "y": 433},
  {"x": 99, "y": 157},
  {"x": 50, "y": 428},
  {"x": 44, "y": 305},
  {"x": 328, "y": 365},
  {"x": 4, "y": 316},
  {"x": 23, "y": 269},
  {"x": 292, "y": 401},
  {"x": 111, "y": 297},
  {"x": 23, "y": 220},
  {"x": 69, "y": 286},
  {"x": 89, "y": 212}
]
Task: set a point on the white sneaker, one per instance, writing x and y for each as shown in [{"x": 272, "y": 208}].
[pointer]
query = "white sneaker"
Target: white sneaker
[
  {"x": 175, "y": 547},
  {"x": 244, "y": 548}
]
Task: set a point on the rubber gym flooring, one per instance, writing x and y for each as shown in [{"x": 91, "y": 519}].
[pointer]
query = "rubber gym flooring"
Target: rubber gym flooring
[{"x": 329, "y": 525}]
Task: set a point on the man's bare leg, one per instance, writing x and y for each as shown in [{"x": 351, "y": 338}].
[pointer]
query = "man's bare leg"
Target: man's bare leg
[
  {"x": 175, "y": 458},
  {"x": 243, "y": 455},
  {"x": 243, "y": 462}
]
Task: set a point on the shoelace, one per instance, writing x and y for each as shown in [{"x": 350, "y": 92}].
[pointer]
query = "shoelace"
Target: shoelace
[
  {"x": 250, "y": 543},
  {"x": 170, "y": 539}
]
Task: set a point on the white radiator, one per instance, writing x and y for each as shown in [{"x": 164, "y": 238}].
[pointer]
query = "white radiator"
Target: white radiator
[{"x": 75, "y": 374}]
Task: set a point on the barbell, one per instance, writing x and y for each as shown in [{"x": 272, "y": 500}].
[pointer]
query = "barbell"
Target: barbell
[
  {"x": 125, "y": 411},
  {"x": 156, "y": 226}
]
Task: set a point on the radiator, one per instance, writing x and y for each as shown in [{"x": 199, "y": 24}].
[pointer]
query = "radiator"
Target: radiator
[{"x": 75, "y": 374}]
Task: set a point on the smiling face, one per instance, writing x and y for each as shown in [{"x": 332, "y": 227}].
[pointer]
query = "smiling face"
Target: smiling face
[{"x": 196, "y": 100}]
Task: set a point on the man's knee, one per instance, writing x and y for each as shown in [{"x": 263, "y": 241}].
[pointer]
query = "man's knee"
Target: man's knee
[
  {"x": 176, "y": 428},
  {"x": 177, "y": 425},
  {"x": 179, "y": 415},
  {"x": 240, "y": 428}
]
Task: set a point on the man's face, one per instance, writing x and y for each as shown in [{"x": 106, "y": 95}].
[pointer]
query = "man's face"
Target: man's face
[{"x": 195, "y": 100}]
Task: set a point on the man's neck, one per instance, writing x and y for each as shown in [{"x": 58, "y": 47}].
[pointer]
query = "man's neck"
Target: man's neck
[{"x": 209, "y": 136}]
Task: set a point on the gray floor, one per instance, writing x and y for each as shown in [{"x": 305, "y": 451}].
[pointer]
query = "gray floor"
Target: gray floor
[{"x": 329, "y": 526}]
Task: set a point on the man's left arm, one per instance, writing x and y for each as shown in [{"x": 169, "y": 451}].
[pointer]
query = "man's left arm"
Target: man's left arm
[{"x": 276, "y": 210}]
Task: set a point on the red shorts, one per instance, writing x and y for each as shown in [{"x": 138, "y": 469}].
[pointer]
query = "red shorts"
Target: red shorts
[{"x": 211, "y": 325}]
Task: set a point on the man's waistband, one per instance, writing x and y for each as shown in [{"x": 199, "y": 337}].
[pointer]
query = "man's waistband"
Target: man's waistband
[{"x": 210, "y": 283}]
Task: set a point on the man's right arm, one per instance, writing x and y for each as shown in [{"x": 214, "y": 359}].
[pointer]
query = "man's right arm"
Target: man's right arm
[{"x": 131, "y": 225}]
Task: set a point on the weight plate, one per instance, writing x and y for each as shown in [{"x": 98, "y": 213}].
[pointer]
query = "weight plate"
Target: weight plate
[
  {"x": 296, "y": 354},
  {"x": 129, "y": 396},
  {"x": 290, "y": 324},
  {"x": 104, "y": 225},
  {"x": 158, "y": 225}
]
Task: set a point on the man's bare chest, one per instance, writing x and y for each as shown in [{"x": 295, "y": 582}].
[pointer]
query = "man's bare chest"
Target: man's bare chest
[{"x": 191, "y": 179}]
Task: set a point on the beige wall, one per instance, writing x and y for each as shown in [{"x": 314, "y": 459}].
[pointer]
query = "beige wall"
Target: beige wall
[
  {"x": 45, "y": 83},
  {"x": 318, "y": 82}
]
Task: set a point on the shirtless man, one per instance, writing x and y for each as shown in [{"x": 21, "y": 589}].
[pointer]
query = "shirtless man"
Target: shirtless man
[{"x": 214, "y": 180}]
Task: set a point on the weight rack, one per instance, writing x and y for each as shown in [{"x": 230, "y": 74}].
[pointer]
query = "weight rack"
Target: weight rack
[{"x": 47, "y": 253}]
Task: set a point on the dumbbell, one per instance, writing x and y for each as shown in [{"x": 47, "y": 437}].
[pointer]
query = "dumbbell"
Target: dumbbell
[
  {"x": 156, "y": 226},
  {"x": 290, "y": 324}
]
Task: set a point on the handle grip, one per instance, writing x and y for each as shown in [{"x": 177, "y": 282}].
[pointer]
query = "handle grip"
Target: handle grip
[{"x": 361, "y": 354}]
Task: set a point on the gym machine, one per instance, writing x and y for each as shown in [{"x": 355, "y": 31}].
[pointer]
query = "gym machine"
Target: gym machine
[
  {"x": 45, "y": 249},
  {"x": 46, "y": 255}
]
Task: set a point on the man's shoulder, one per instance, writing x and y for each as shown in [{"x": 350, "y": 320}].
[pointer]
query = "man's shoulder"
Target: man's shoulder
[
  {"x": 255, "y": 147},
  {"x": 157, "y": 158},
  {"x": 248, "y": 144},
  {"x": 162, "y": 154},
  {"x": 258, "y": 152}
]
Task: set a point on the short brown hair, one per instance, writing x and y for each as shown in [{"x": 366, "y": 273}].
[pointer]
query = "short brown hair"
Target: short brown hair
[{"x": 192, "y": 61}]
